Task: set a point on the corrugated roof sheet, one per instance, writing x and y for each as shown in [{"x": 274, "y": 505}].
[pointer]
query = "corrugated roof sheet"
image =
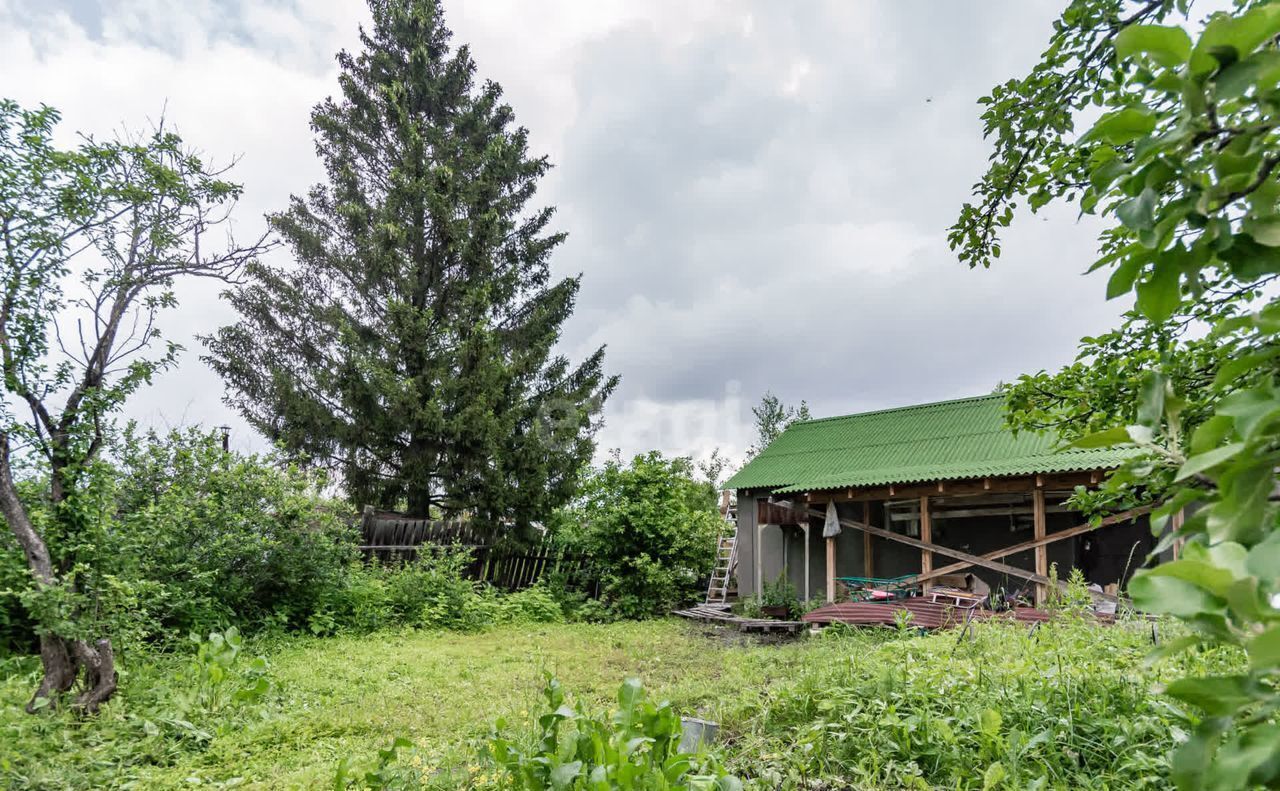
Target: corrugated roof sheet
[{"x": 947, "y": 440}]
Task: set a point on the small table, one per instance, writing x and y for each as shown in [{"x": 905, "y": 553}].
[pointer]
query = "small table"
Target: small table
[{"x": 964, "y": 600}]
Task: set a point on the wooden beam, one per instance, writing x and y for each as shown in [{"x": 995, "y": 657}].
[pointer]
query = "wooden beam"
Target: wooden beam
[
  {"x": 759, "y": 552},
  {"x": 973, "y": 560},
  {"x": 868, "y": 559},
  {"x": 926, "y": 535},
  {"x": 808, "y": 568},
  {"x": 1065, "y": 481},
  {"x": 1038, "y": 523},
  {"x": 1061, "y": 535},
  {"x": 831, "y": 569}
]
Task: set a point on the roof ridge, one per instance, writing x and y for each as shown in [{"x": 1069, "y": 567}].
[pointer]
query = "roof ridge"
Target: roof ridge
[{"x": 898, "y": 409}]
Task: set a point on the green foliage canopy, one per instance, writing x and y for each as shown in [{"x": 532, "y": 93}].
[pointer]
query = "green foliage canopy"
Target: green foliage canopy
[
  {"x": 650, "y": 529},
  {"x": 410, "y": 347},
  {"x": 1184, "y": 160}
]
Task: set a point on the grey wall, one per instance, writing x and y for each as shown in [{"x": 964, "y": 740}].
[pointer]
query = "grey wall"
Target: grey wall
[{"x": 783, "y": 547}]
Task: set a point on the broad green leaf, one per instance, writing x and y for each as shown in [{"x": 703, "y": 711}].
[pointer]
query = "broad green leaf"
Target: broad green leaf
[
  {"x": 1166, "y": 44},
  {"x": 729, "y": 783},
  {"x": 1248, "y": 602},
  {"x": 562, "y": 776},
  {"x": 1264, "y": 230},
  {"x": 1192, "y": 758},
  {"x": 1241, "y": 513},
  {"x": 1121, "y": 280},
  {"x": 1138, "y": 212},
  {"x": 1151, "y": 393},
  {"x": 994, "y": 776},
  {"x": 1241, "y": 34},
  {"x": 1208, "y": 460},
  {"x": 1165, "y": 594},
  {"x": 1260, "y": 69},
  {"x": 1104, "y": 439},
  {"x": 630, "y": 694},
  {"x": 1264, "y": 650},
  {"x": 1173, "y": 647},
  {"x": 1160, "y": 294},
  {"x": 1231, "y": 371},
  {"x": 1250, "y": 260},
  {"x": 1264, "y": 558},
  {"x": 1213, "y": 579},
  {"x": 1217, "y": 695},
  {"x": 1122, "y": 127},
  {"x": 1251, "y": 409},
  {"x": 1228, "y": 555},
  {"x": 1250, "y": 758}
]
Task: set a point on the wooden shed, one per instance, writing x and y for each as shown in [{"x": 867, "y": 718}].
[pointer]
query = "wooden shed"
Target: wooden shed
[{"x": 923, "y": 491}]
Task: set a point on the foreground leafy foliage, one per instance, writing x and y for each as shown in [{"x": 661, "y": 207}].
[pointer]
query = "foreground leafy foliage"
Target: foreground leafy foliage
[
  {"x": 638, "y": 747},
  {"x": 1185, "y": 161}
]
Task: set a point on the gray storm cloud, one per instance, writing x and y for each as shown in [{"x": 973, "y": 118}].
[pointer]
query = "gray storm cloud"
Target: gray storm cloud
[{"x": 756, "y": 193}]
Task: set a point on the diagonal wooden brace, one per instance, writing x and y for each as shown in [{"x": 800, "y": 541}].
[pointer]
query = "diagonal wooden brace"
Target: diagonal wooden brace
[
  {"x": 1070, "y": 532},
  {"x": 969, "y": 559}
]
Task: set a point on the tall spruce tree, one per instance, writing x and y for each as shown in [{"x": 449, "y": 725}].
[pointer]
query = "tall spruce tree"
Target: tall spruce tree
[{"x": 410, "y": 346}]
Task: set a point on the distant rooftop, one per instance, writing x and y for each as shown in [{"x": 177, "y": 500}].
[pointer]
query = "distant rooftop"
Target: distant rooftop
[{"x": 946, "y": 440}]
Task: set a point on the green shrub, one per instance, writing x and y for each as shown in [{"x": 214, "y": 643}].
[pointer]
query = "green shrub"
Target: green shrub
[
  {"x": 636, "y": 748},
  {"x": 650, "y": 529},
  {"x": 243, "y": 538},
  {"x": 176, "y": 535},
  {"x": 531, "y": 605},
  {"x": 429, "y": 591},
  {"x": 781, "y": 593}
]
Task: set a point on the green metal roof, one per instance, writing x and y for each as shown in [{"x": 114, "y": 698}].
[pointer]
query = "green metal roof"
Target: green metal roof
[{"x": 947, "y": 440}]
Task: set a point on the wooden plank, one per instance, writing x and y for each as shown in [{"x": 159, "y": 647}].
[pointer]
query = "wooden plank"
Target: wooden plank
[
  {"x": 1008, "y": 485},
  {"x": 868, "y": 559},
  {"x": 831, "y": 569},
  {"x": 1071, "y": 532},
  {"x": 973, "y": 560},
  {"x": 926, "y": 535},
  {"x": 1038, "y": 523}
]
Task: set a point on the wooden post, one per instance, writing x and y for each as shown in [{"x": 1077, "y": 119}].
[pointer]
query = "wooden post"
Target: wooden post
[
  {"x": 926, "y": 535},
  {"x": 1175, "y": 523},
  {"x": 759, "y": 559},
  {"x": 807, "y": 569},
  {"x": 868, "y": 560},
  {"x": 1042, "y": 552},
  {"x": 831, "y": 569}
]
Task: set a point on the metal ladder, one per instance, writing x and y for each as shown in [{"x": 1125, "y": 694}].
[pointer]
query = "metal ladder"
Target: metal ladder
[{"x": 726, "y": 561}]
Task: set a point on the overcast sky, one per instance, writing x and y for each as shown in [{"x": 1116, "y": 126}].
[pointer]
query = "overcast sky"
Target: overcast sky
[{"x": 757, "y": 193}]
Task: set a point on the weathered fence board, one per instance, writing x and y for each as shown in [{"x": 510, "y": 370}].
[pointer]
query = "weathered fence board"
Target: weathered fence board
[{"x": 390, "y": 537}]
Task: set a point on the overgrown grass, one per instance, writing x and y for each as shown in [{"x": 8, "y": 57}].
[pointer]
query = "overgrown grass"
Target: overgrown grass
[{"x": 879, "y": 709}]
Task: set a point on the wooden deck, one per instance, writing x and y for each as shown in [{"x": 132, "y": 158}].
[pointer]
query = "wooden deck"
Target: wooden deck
[{"x": 720, "y": 615}]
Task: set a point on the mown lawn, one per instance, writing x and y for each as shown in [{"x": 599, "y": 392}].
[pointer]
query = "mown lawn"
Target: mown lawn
[{"x": 1069, "y": 706}]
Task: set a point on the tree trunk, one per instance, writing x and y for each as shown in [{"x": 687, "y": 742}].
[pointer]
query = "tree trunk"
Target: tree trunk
[{"x": 61, "y": 659}]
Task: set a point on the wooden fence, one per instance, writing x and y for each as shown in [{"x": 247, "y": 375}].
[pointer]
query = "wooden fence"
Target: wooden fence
[{"x": 390, "y": 538}]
